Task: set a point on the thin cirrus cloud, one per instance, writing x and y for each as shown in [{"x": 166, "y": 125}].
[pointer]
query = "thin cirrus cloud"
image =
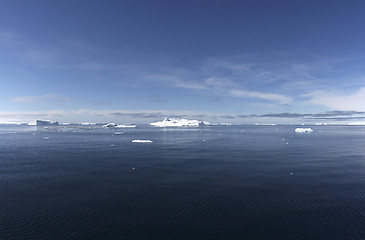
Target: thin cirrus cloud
[
  {"x": 222, "y": 86},
  {"x": 265, "y": 96},
  {"x": 354, "y": 101},
  {"x": 43, "y": 98}
]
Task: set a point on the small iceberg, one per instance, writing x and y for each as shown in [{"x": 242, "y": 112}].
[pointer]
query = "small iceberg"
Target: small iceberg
[
  {"x": 303, "y": 130},
  {"x": 142, "y": 141}
]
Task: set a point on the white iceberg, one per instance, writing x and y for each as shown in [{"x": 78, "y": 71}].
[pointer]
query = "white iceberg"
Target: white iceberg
[
  {"x": 141, "y": 141},
  {"x": 42, "y": 123},
  {"x": 113, "y": 125},
  {"x": 177, "y": 122},
  {"x": 125, "y": 126},
  {"x": 109, "y": 125},
  {"x": 302, "y": 130}
]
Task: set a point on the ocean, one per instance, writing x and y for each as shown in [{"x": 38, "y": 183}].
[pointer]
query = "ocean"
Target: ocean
[{"x": 214, "y": 182}]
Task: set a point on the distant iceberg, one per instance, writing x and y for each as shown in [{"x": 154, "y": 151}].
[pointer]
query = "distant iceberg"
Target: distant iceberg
[
  {"x": 125, "y": 126},
  {"x": 141, "y": 141},
  {"x": 113, "y": 125},
  {"x": 109, "y": 125},
  {"x": 87, "y": 124},
  {"x": 179, "y": 122},
  {"x": 302, "y": 130},
  {"x": 42, "y": 123}
]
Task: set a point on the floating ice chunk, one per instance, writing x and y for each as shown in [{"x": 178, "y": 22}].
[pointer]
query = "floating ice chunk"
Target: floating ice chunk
[
  {"x": 46, "y": 138},
  {"x": 302, "y": 130},
  {"x": 142, "y": 141},
  {"x": 112, "y": 145}
]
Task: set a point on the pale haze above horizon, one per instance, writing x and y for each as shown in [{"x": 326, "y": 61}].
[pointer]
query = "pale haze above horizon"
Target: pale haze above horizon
[{"x": 221, "y": 61}]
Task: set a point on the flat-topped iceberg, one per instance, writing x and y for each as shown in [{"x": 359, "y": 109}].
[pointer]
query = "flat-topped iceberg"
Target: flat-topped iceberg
[
  {"x": 42, "y": 123},
  {"x": 302, "y": 130},
  {"x": 178, "y": 122}
]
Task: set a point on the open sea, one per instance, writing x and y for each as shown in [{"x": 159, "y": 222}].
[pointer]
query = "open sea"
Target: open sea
[{"x": 215, "y": 182}]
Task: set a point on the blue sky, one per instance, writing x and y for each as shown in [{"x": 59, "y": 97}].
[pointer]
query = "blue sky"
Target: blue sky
[{"x": 222, "y": 61}]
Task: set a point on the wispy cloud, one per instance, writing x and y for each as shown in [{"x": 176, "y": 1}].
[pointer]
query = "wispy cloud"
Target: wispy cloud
[
  {"x": 266, "y": 96},
  {"x": 176, "y": 81},
  {"x": 327, "y": 116},
  {"x": 354, "y": 101},
  {"x": 30, "y": 99}
]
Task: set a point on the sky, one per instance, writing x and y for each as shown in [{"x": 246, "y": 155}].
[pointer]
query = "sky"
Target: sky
[{"x": 256, "y": 61}]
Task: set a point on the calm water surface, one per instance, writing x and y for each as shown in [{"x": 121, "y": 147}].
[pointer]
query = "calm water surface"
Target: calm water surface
[{"x": 233, "y": 182}]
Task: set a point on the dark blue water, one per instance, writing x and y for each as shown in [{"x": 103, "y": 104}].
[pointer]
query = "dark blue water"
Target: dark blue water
[{"x": 266, "y": 182}]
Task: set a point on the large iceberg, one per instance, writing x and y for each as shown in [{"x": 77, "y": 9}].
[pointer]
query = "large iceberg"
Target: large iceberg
[
  {"x": 42, "y": 123},
  {"x": 177, "y": 122}
]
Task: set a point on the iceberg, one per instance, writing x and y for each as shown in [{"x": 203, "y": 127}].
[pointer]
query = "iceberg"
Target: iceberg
[
  {"x": 178, "y": 122},
  {"x": 109, "y": 125},
  {"x": 141, "y": 141},
  {"x": 113, "y": 125},
  {"x": 42, "y": 123},
  {"x": 125, "y": 126},
  {"x": 302, "y": 130}
]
